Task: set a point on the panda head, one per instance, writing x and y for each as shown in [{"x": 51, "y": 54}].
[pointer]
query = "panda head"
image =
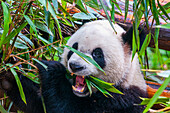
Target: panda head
[{"x": 111, "y": 51}]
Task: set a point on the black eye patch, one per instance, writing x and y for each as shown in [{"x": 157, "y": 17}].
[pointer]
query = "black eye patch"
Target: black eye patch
[
  {"x": 75, "y": 46},
  {"x": 98, "y": 56}
]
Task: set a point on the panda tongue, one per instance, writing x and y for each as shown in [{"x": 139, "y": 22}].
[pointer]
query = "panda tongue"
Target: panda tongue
[{"x": 80, "y": 80}]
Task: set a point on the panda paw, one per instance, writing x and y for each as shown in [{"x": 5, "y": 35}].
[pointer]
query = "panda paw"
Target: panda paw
[
  {"x": 6, "y": 80},
  {"x": 54, "y": 69}
]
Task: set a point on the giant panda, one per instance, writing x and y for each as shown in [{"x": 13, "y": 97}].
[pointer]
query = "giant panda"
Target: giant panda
[{"x": 113, "y": 53}]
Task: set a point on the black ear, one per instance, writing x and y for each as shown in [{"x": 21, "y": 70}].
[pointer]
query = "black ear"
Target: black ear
[{"x": 128, "y": 36}]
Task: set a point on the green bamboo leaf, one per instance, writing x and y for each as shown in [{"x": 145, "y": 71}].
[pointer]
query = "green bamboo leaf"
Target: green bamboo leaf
[
  {"x": 104, "y": 85},
  {"x": 145, "y": 5},
  {"x": 47, "y": 16},
  {"x": 112, "y": 11},
  {"x": 19, "y": 45},
  {"x": 134, "y": 47},
  {"x": 43, "y": 27},
  {"x": 14, "y": 33},
  {"x": 145, "y": 101},
  {"x": 163, "y": 10},
  {"x": 55, "y": 4},
  {"x": 101, "y": 81},
  {"x": 25, "y": 39},
  {"x": 33, "y": 77},
  {"x": 7, "y": 21},
  {"x": 89, "y": 86},
  {"x": 136, "y": 25},
  {"x": 107, "y": 15},
  {"x": 40, "y": 63},
  {"x": 157, "y": 94},
  {"x": 31, "y": 24},
  {"x": 102, "y": 90},
  {"x": 161, "y": 15},
  {"x": 126, "y": 8},
  {"x": 79, "y": 5},
  {"x": 51, "y": 10},
  {"x": 167, "y": 5},
  {"x": 2, "y": 110},
  {"x": 117, "y": 5},
  {"x": 145, "y": 44},
  {"x": 85, "y": 57},
  {"x": 166, "y": 26},
  {"x": 95, "y": 1},
  {"x": 10, "y": 106},
  {"x": 154, "y": 11},
  {"x": 19, "y": 85}
]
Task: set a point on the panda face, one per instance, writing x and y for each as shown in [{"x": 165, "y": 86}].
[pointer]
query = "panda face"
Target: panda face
[{"x": 98, "y": 41}]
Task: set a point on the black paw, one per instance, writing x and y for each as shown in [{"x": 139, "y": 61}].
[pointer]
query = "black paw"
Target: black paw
[
  {"x": 54, "y": 69},
  {"x": 6, "y": 80}
]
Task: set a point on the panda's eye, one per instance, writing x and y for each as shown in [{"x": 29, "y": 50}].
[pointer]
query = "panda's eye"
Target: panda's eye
[{"x": 97, "y": 53}]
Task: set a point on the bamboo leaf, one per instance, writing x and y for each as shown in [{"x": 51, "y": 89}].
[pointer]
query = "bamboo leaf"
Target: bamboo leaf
[
  {"x": 144, "y": 3},
  {"x": 167, "y": 5},
  {"x": 19, "y": 85},
  {"x": 40, "y": 63},
  {"x": 51, "y": 10},
  {"x": 101, "y": 81},
  {"x": 104, "y": 85},
  {"x": 7, "y": 21},
  {"x": 55, "y": 4},
  {"x": 89, "y": 86},
  {"x": 163, "y": 10},
  {"x": 2, "y": 110},
  {"x": 14, "y": 33},
  {"x": 166, "y": 26},
  {"x": 112, "y": 11},
  {"x": 32, "y": 77},
  {"x": 157, "y": 94},
  {"x": 108, "y": 17},
  {"x": 145, "y": 43},
  {"x": 102, "y": 90},
  {"x": 31, "y": 24},
  {"x": 79, "y": 5},
  {"x": 145, "y": 101},
  {"x": 117, "y": 5},
  {"x": 126, "y": 8},
  {"x": 43, "y": 27}
]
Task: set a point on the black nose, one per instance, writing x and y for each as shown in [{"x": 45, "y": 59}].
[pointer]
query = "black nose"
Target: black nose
[{"x": 74, "y": 67}]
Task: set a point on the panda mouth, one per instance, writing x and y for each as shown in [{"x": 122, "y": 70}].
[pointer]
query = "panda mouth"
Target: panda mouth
[{"x": 80, "y": 88}]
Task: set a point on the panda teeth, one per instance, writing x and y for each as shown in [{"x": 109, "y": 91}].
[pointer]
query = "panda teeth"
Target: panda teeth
[
  {"x": 75, "y": 89},
  {"x": 82, "y": 89}
]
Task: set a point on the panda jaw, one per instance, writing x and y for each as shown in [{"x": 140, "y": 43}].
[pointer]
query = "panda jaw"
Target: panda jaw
[{"x": 80, "y": 89}]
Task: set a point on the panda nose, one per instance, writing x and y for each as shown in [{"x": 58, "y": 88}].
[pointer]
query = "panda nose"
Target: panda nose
[{"x": 74, "y": 67}]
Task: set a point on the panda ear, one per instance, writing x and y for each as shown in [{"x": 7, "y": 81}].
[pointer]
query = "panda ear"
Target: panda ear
[{"x": 128, "y": 36}]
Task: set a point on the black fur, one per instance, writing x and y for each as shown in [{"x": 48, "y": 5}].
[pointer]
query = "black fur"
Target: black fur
[
  {"x": 128, "y": 37},
  {"x": 75, "y": 46},
  {"x": 59, "y": 98},
  {"x": 98, "y": 56}
]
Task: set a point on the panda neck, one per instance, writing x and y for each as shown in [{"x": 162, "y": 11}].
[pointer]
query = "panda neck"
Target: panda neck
[{"x": 132, "y": 74}]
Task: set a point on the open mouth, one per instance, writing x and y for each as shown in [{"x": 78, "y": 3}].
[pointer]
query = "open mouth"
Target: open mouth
[{"x": 80, "y": 88}]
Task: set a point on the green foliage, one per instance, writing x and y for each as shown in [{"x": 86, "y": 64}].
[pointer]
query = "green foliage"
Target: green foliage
[
  {"x": 101, "y": 85},
  {"x": 155, "y": 97}
]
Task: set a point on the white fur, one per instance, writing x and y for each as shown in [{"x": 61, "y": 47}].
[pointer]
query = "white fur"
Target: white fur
[{"x": 119, "y": 69}]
